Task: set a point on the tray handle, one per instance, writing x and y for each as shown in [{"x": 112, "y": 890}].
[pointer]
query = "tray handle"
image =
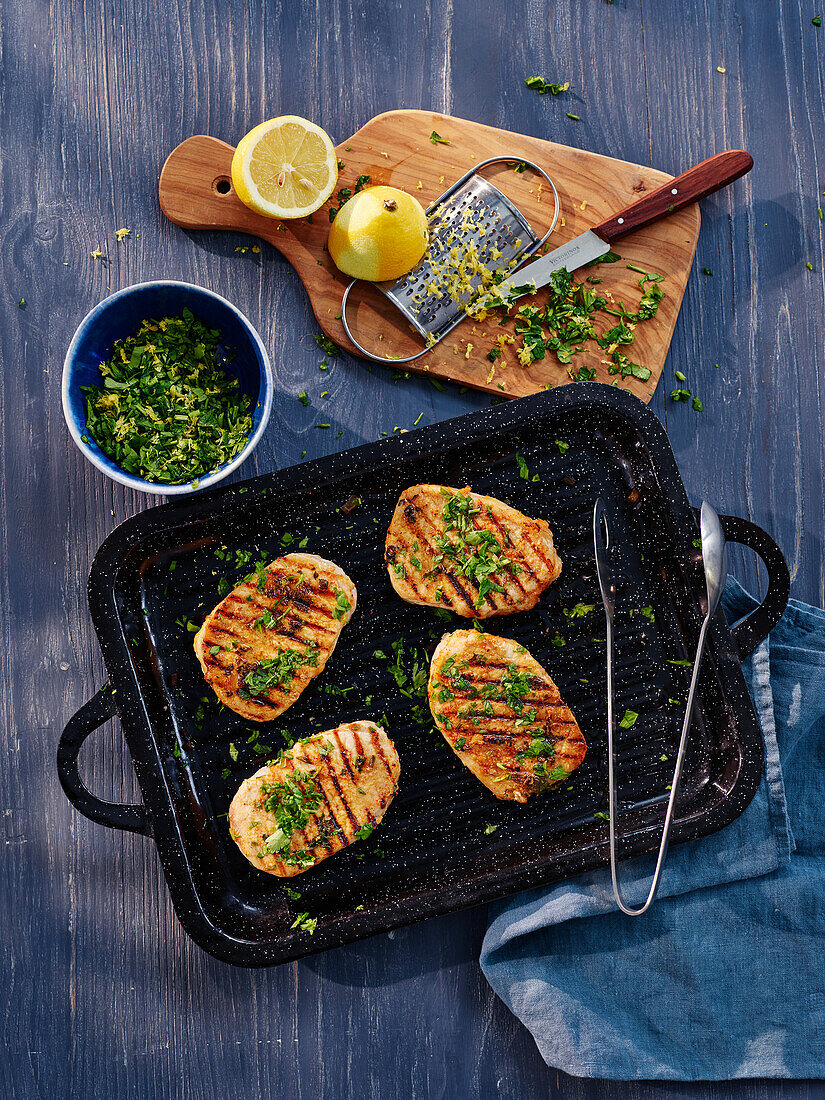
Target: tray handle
[
  {"x": 758, "y": 624},
  {"x": 99, "y": 709}
]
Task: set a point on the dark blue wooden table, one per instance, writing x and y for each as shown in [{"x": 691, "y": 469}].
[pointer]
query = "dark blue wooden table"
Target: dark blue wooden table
[{"x": 102, "y": 995}]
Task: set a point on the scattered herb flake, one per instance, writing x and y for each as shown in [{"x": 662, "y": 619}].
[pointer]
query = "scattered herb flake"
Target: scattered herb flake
[
  {"x": 542, "y": 86},
  {"x": 326, "y": 345}
]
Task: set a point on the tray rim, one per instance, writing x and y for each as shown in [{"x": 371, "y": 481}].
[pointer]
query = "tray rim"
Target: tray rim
[{"x": 163, "y": 826}]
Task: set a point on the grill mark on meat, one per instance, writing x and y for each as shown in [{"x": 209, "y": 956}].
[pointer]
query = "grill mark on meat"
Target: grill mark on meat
[
  {"x": 506, "y": 548},
  {"x": 528, "y": 542},
  {"x": 325, "y": 805},
  {"x": 345, "y": 801},
  {"x": 307, "y": 604},
  {"x": 344, "y": 756},
  {"x": 375, "y": 745},
  {"x": 328, "y": 774},
  {"x": 227, "y": 613},
  {"x": 214, "y": 628},
  {"x": 536, "y": 539},
  {"x": 446, "y": 571}
]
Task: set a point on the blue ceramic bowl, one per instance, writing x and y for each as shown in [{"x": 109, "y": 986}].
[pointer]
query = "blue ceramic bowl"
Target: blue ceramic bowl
[{"x": 119, "y": 316}]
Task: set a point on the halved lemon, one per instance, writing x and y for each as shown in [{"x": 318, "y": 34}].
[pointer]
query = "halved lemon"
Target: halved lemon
[{"x": 285, "y": 168}]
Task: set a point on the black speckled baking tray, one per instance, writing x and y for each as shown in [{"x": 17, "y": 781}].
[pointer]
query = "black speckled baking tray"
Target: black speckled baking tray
[{"x": 434, "y": 852}]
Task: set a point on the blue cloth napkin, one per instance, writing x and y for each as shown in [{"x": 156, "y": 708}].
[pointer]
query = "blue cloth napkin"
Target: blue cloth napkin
[{"x": 724, "y": 976}]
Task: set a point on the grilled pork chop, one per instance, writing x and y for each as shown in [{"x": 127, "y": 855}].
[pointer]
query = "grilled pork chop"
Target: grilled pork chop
[
  {"x": 274, "y": 633},
  {"x": 502, "y": 715},
  {"x": 471, "y": 554},
  {"x": 325, "y": 792}
]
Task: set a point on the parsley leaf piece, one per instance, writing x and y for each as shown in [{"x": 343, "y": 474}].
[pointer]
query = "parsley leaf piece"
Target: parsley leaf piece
[
  {"x": 542, "y": 86},
  {"x": 326, "y": 345}
]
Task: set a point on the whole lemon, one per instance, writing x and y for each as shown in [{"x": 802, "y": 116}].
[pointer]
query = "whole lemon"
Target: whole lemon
[{"x": 378, "y": 234}]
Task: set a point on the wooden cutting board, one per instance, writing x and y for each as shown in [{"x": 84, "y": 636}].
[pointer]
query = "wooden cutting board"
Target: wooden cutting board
[{"x": 394, "y": 148}]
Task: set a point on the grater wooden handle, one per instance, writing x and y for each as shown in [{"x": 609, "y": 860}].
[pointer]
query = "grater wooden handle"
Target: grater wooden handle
[{"x": 705, "y": 178}]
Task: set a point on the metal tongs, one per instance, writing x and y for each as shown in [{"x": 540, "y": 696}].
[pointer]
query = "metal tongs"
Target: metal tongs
[{"x": 714, "y": 556}]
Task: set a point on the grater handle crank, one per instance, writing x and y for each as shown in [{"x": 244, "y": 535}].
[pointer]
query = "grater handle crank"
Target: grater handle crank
[{"x": 698, "y": 182}]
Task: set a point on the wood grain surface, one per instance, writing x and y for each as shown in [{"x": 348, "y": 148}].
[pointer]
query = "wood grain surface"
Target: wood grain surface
[
  {"x": 395, "y": 149},
  {"x": 101, "y": 993}
]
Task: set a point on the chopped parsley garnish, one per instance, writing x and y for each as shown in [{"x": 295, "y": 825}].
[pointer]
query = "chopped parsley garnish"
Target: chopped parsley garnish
[
  {"x": 167, "y": 411},
  {"x": 539, "y": 746},
  {"x": 260, "y": 575},
  {"x": 629, "y": 719},
  {"x": 557, "y": 774},
  {"x": 577, "y": 611},
  {"x": 267, "y": 621},
  {"x": 325, "y": 344},
  {"x": 437, "y": 139},
  {"x": 305, "y": 923},
  {"x": 542, "y": 86},
  {"x": 410, "y": 670},
  {"x": 489, "y": 829},
  {"x": 291, "y": 801},
  {"x": 342, "y": 605},
  {"x": 365, "y": 831},
  {"x": 277, "y": 671},
  {"x": 515, "y": 687},
  {"x": 470, "y": 551},
  {"x": 565, "y": 325}
]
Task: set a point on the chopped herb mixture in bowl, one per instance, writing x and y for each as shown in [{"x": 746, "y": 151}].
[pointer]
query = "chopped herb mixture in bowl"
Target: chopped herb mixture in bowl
[{"x": 167, "y": 387}]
